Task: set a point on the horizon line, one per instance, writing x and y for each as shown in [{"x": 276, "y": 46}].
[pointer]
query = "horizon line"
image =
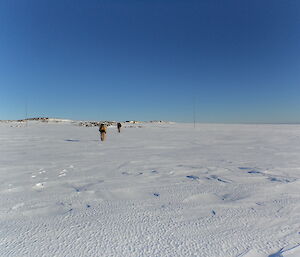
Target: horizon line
[{"x": 131, "y": 120}]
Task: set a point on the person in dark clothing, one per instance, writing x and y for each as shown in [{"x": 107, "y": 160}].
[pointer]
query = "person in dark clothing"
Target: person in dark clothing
[
  {"x": 102, "y": 130},
  {"x": 119, "y": 125}
]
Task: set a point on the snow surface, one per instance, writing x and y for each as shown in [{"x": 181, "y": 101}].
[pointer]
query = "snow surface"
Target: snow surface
[{"x": 152, "y": 190}]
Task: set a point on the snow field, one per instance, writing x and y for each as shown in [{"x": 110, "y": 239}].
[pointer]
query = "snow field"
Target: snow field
[{"x": 152, "y": 190}]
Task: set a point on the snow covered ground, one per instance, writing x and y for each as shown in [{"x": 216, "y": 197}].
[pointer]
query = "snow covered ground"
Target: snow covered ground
[{"x": 155, "y": 190}]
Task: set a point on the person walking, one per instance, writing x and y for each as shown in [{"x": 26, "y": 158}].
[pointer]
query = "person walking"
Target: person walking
[
  {"x": 119, "y": 125},
  {"x": 102, "y": 130}
]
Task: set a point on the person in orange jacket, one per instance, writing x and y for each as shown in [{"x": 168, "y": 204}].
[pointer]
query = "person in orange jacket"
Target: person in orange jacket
[{"x": 102, "y": 130}]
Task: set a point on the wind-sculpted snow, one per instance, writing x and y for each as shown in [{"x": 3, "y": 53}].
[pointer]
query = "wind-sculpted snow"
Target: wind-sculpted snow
[{"x": 152, "y": 190}]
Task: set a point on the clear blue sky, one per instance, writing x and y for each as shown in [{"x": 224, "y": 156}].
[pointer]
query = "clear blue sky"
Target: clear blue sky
[{"x": 235, "y": 61}]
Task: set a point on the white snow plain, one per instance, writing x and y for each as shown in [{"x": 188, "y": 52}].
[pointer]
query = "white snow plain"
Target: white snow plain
[{"x": 155, "y": 189}]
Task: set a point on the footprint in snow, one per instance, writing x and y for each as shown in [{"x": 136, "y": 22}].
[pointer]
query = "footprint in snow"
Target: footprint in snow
[
  {"x": 217, "y": 178},
  {"x": 192, "y": 177},
  {"x": 39, "y": 186},
  {"x": 63, "y": 173},
  {"x": 17, "y": 206},
  {"x": 245, "y": 168},
  {"x": 281, "y": 180},
  {"x": 254, "y": 172},
  {"x": 72, "y": 140}
]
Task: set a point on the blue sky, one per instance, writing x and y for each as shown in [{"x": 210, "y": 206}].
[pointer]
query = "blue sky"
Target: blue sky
[{"x": 233, "y": 61}]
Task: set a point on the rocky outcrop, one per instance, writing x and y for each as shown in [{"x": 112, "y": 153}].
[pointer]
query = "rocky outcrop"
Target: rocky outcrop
[{"x": 96, "y": 123}]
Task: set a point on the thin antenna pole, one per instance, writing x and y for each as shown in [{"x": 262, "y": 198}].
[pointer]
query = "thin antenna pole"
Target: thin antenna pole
[
  {"x": 194, "y": 111},
  {"x": 26, "y": 111}
]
